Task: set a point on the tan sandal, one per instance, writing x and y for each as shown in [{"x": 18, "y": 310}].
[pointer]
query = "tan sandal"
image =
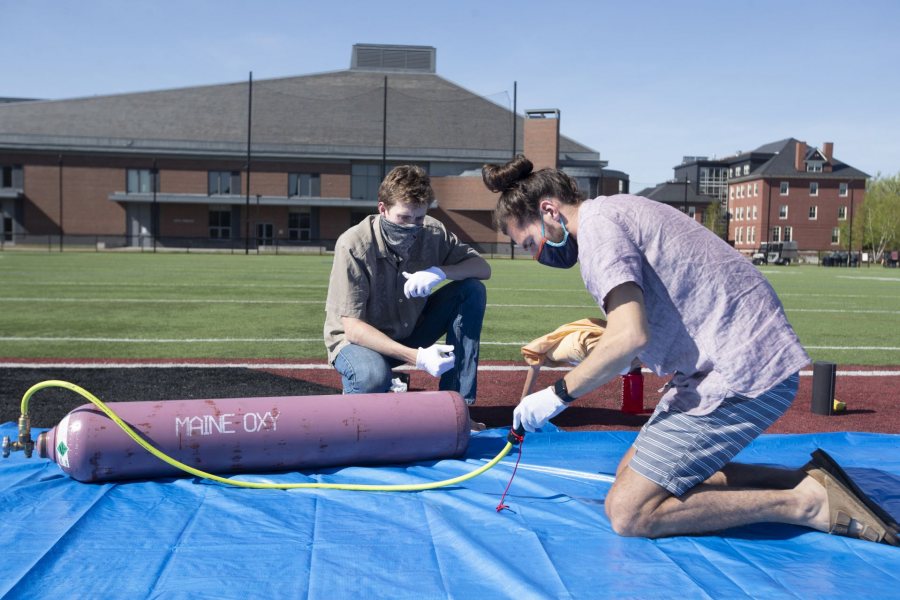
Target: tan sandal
[{"x": 850, "y": 511}]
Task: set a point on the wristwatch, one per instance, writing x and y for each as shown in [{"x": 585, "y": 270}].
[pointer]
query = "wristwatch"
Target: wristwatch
[{"x": 560, "y": 389}]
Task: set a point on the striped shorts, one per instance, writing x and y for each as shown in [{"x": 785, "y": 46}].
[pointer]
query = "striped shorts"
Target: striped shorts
[{"x": 678, "y": 451}]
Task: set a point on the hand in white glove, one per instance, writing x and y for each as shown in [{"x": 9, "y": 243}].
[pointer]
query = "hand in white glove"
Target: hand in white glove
[
  {"x": 436, "y": 359},
  {"x": 420, "y": 283},
  {"x": 536, "y": 409}
]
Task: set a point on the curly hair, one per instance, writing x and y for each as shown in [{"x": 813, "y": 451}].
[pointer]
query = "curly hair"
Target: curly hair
[
  {"x": 406, "y": 183},
  {"x": 521, "y": 190}
]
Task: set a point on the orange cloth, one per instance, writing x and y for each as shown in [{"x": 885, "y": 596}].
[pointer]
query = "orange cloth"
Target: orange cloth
[{"x": 567, "y": 345}]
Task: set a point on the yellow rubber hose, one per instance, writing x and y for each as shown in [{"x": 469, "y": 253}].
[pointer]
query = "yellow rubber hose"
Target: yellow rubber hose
[{"x": 417, "y": 487}]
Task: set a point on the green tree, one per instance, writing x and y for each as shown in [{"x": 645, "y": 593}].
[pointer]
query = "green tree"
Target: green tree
[
  {"x": 714, "y": 219},
  {"x": 876, "y": 224}
]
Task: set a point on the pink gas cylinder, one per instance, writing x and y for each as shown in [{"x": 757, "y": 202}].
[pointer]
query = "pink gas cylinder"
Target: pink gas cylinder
[
  {"x": 633, "y": 392},
  {"x": 244, "y": 435}
]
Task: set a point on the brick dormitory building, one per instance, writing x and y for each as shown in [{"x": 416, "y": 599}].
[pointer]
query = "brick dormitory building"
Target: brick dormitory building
[
  {"x": 782, "y": 191},
  {"x": 170, "y": 168}
]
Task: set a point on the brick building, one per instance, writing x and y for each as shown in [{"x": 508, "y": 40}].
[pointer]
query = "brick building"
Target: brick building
[
  {"x": 171, "y": 166},
  {"x": 782, "y": 191}
]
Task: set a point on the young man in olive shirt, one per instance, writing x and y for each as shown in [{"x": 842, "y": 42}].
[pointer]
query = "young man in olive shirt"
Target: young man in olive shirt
[{"x": 381, "y": 312}]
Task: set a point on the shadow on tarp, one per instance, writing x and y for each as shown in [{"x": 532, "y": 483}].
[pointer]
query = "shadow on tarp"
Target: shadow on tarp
[{"x": 183, "y": 538}]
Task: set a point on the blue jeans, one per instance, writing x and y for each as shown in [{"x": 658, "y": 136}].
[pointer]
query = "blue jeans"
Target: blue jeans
[{"x": 457, "y": 310}]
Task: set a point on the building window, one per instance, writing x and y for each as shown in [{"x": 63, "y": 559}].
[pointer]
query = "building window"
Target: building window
[
  {"x": 364, "y": 181},
  {"x": 219, "y": 223},
  {"x": 835, "y": 235},
  {"x": 751, "y": 235},
  {"x": 813, "y": 213},
  {"x": 842, "y": 213},
  {"x": 692, "y": 211},
  {"x": 139, "y": 181},
  {"x": 739, "y": 235},
  {"x": 754, "y": 212},
  {"x": 783, "y": 212},
  {"x": 756, "y": 189},
  {"x": 6, "y": 177},
  {"x": 304, "y": 184},
  {"x": 785, "y": 188},
  {"x": 776, "y": 234},
  {"x": 300, "y": 224},
  {"x": 843, "y": 190},
  {"x": 731, "y": 193},
  {"x": 224, "y": 182},
  {"x": 814, "y": 166},
  {"x": 621, "y": 186},
  {"x": 746, "y": 169},
  {"x": 788, "y": 233},
  {"x": 813, "y": 188}
]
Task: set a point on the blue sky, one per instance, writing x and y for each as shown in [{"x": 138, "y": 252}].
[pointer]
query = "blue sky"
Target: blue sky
[{"x": 642, "y": 82}]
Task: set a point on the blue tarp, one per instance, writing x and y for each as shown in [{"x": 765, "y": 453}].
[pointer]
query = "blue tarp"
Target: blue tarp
[{"x": 186, "y": 538}]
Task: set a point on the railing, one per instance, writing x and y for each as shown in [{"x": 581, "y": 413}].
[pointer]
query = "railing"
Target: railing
[{"x": 169, "y": 244}]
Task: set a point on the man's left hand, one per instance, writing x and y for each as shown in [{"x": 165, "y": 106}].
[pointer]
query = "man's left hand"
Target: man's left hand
[{"x": 420, "y": 283}]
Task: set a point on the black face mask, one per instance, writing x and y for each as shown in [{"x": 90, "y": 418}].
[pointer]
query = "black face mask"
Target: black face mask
[{"x": 562, "y": 255}]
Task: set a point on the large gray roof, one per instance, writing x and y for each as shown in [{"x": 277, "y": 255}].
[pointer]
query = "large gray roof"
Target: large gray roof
[
  {"x": 337, "y": 114},
  {"x": 781, "y": 164}
]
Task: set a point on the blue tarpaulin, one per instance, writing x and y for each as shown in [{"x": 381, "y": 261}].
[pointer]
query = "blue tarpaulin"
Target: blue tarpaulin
[{"x": 188, "y": 538}]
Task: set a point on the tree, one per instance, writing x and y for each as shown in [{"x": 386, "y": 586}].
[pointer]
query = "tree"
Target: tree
[
  {"x": 714, "y": 220},
  {"x": 877, "y": 221}
]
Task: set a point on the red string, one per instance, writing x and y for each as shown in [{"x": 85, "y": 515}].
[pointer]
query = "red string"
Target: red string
[{"x": 521, "y": 440}]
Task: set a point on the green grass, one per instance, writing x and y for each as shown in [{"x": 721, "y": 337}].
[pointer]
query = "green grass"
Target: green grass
[{"x": 241, "y": 307}]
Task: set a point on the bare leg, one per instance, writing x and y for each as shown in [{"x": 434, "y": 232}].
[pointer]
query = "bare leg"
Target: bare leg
[{"x": 639, "y": 507}]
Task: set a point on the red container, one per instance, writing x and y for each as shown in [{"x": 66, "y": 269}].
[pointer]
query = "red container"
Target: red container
[
  {"x": 633, "y": 392},
  {"x": 245, "y": 435}
]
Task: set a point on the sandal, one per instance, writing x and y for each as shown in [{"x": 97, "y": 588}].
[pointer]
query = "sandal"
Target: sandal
[{"x": 848, "y": 505}]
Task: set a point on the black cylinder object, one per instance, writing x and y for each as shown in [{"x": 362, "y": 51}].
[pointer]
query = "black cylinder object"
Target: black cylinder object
[{"x": 823, "y": 388}]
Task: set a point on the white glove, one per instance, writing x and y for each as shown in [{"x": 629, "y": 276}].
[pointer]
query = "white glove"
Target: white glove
[
  {"x": 436, "y": 359},
  {"x": 420, "y": 283},
  {"x": 536, "y": 409}
]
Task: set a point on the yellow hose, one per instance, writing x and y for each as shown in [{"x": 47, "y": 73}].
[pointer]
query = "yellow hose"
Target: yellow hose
[{"x": 417, "y": 487}]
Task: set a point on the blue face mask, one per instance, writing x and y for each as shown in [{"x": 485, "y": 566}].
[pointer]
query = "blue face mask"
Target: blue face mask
[{"x": 562, "y": 255}]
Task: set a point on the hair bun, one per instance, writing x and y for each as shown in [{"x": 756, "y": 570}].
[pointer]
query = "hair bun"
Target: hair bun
[{"x": 499, "y": 178}]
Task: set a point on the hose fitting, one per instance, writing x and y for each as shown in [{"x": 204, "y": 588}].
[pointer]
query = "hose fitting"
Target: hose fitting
[{"x": 24, "y": 443}]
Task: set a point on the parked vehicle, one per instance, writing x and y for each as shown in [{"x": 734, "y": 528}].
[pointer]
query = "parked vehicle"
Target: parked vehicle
[{"x": 778, "y": 253}]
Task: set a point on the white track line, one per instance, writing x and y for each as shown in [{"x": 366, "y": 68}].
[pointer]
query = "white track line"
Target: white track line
[{"x": 317, "y": 367}]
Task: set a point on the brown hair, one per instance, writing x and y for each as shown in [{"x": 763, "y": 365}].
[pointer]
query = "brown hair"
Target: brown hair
[
  {"x": 407, "y": 183},
  {"x": 521, "y": 190}
]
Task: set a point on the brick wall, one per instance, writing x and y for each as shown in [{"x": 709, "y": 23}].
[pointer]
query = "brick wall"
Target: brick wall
[{"x": 541, "y": 143}]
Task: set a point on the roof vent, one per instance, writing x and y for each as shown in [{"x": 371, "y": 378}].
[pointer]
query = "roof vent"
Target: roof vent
[{"x": 381, "y": 57}]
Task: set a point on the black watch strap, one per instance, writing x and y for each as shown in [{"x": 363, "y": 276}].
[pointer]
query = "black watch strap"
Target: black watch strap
[{"x": 560, "y": 389}]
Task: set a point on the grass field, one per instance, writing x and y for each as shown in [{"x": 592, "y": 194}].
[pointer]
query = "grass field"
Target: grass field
[{"x": 111, "y": 305}]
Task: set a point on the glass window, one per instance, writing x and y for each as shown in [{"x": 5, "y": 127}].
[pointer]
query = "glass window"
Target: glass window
[
  {"x": 843, "y": 189},
  {"x": 785, "y": 188},
  {"x": 754, "y": 211},
  {"x": 788, "y": 233},
  {"x": 139, "y": 181},
  {"x": 746, "y": 169},
  {"x": 842, "y": 213},
  {"x": 813, "y": 212},
  {"x": 776, "y": 234},
  {"x": 739, "y": 235},
  {"x": 783, "y": 211},
  {"x": 836, "y": 235},
  {"x": 304, "y": 184},
  {"x": 813, "y": 188},
  {"x": 364, "y": 181},
  {"x": 224, "y": 182},
  {"x": 300, "y": 224},
  {"x": 756, "y": 189},
  {"x": 5, "y": 177},
  {"x": 219, "y": 223}
]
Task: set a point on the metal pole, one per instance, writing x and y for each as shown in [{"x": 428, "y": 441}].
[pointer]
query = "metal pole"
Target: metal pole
[
  {"x": 249, "y": 129},
  {"x": 384, "y": 132},
  {"x": 687, "y": 182},
  {"x": 61, "y": 230},
  {"x": 514, "y": 119},
  {"x": 850, "y": 240},
  {"x": 154, "y": 216}
]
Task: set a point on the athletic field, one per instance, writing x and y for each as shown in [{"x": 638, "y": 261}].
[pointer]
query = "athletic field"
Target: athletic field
[{"x": 150, "y": 306}]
